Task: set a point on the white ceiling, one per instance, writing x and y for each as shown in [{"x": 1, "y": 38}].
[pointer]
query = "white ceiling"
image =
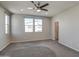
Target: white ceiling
[{"x": 54, "y": 7}]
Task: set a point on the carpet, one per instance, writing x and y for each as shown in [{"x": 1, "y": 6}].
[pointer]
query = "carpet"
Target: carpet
[{"x": 31, "y": 52}]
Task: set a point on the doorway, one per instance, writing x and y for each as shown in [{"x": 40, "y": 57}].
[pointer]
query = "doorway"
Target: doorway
[{"x": 56, "y": 24}]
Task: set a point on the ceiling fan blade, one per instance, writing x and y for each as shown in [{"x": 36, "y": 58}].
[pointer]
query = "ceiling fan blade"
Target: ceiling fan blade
[
  {"x": 44, "y": 9},
  {"x": 38, "y": 3},
  {"x": 44, "y": 5},
  {"x": 34, "y": 4}
]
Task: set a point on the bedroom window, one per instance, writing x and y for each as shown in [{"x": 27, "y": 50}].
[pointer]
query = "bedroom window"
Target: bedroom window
[
  {"x": 33, "y": 25},
  {"x": 6, "y": 24},
  {"x": 38, "y": 25},
  {"x": 28, "y": 24}
]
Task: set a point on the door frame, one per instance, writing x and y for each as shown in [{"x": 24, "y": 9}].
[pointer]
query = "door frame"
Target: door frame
[{"x": 56, "y": 30}]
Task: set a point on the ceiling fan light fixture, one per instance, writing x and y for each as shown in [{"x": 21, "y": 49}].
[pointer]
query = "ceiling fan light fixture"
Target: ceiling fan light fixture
[{"x": 38, "y": 10}]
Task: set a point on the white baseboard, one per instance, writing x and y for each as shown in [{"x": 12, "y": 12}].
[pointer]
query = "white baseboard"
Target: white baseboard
[
  {"x": 69, "y": 46},
  {"x": 26, "y": 40},
  {"x": 5, "y": 46}
]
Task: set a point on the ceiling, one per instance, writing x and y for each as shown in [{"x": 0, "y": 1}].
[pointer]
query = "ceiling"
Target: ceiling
[{"x": 55, "y": 7}]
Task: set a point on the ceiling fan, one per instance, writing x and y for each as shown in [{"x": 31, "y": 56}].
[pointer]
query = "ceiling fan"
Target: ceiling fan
[{"x": 39, "y": 7}]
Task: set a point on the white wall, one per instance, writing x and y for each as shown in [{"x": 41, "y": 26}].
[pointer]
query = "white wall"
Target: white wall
[
  {"x": 68, "y": 27},
  {"x": 18, "y": 34},
  {"x": 4, "y": 40}
]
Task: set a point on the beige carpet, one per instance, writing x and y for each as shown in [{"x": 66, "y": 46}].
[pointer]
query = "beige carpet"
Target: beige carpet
[
  {"x": 45, "y": 48},
  {"x": 36, "y": 51}
]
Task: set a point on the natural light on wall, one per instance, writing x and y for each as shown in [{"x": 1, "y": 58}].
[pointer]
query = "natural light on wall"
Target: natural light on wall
[
  {"x": 33, "y": 25},
  {"x": 6, "y": 24}
]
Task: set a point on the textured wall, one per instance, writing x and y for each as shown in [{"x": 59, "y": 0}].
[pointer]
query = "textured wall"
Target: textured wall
[
  {"x": 4, "y": 39},
  {"x": 69, "y": 27}
]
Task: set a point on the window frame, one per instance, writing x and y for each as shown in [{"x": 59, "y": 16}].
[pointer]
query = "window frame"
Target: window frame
[
  {"x": 33, "y": 28},
  {"x": 27, "y": 25},
  {"x": 38, "y": 25}
]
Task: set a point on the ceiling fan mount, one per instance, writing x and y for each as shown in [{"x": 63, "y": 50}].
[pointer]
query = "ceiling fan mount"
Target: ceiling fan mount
[{"x": 39, "y": 7}]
